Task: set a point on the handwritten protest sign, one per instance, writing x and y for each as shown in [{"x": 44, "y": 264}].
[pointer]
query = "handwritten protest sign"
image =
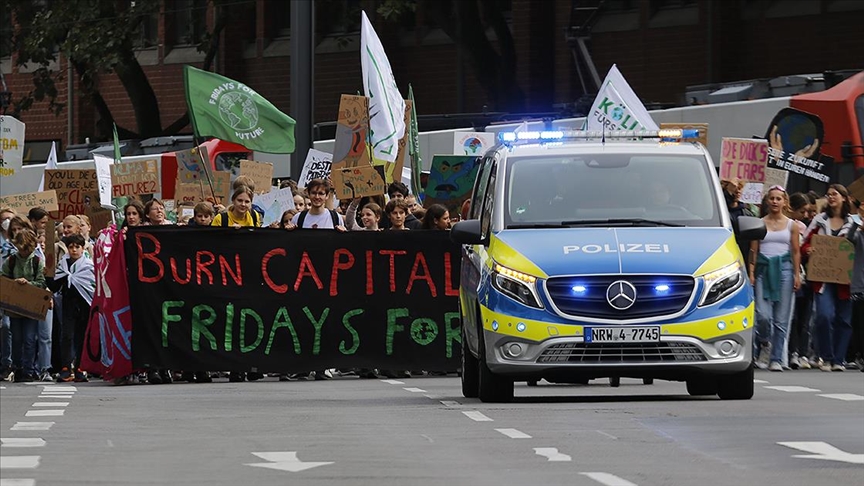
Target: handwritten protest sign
[
  {"x": 317, "y": 166},
  {"x": 451, "y": 179},
  {"x": 21, "y": 203},
  {"x": 702, "y": 136},
  {"x": 189, "y": 166},
  {"x": 11, "y": 145},
  {"x": 349, "y": 147},
  {"x": 394, "y": 172},
  {"x": 199, "y": 191},
  {"x": 260, "y": 172},
  {"x": 856, "y": 189},
  {"x": 351, "y": 182},
  {"x": 744, "y": 159},
  {"x": 76, "y": 189},
  {"x": 274, "y": 203},
  {"x": 23, "y": 300},
  {"x": 753, "y": 192},
  {"x": 139, "y": 177},
  {"x": 831, "y": 260}
]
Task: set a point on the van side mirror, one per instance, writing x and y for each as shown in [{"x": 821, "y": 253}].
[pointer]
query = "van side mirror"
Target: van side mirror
[
  {"x": 748, "y": 228},
  {"x": 467, "y": 232}
]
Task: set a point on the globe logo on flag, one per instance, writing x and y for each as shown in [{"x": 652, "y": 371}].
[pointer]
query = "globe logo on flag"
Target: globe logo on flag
[
  {"x": 238, "y": 110},
  {"x": 617, "y": 113}
]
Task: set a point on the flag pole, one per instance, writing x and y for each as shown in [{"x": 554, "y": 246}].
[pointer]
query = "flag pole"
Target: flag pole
[{"x": 205, "y": 167}]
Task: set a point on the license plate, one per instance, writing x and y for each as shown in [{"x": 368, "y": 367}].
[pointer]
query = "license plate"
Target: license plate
[{"x": 644, "y": 334}]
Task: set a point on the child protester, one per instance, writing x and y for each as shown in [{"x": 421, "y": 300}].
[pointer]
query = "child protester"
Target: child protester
[
  {"x": 75, "y": 279},
  {"x": 24, "y": 267}
]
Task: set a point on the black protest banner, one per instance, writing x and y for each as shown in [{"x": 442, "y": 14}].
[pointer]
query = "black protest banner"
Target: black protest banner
[{"x": 270, "y": 300}]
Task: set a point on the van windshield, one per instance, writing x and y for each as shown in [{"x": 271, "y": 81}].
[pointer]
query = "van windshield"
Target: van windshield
[{"x": 620, "y": 189}]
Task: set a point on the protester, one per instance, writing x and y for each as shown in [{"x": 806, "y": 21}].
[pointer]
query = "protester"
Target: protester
[
  {"x": 39, "y": 218},
  {"x": 203, "y": 214},
  {"x": 732, "y": 193},
  {"x": 397, "y": 212},
  {"x": 856, "y": 236},
  {"x": 240, "y": 214},
  {"x": 370, "y": 216},
  {"x": 399, "y": 191},
  {"x": 133, "y": 214},
  {"x": 154, "y": 213},
  {"x": 833, "y": 326},
  {"x": 25, "y": 268},
  {"x": 436, "y": 218},
  {"x": 775, "y": 273},
  {"x": 6, "y": 249},
  {"x": 76, "y": 281},
  {"x": 799, "y": 331}
]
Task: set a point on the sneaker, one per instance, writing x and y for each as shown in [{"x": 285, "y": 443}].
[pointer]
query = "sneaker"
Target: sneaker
[
  {"x": 323, "y": 375},
  {"x": 793, "y": 362},
  {"x": 7, "y": 375},
  {"x": 815, "y": 362},
  {"x": 46, "y": 377},
  {"x": 166, "y": 376},
  {"x": 81, "y": 377},
  {"x": 153, "y": 378},
  {"x": 838, "y": 367},
  {"x": 761, "y": 365},
  {"x": 803, "y": 364},
  {"x": 825, "y": 366},
  {"x": 775, "y": 366},
  {"x": 65, "y": 376}
]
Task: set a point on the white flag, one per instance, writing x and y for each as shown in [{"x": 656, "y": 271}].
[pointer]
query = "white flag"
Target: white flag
[
  {"x": 617, "y": 107},
  {"x": 50, "y": 165},
  {"x": 386, "y": 106},
  {"x": 103, "y": 179}
]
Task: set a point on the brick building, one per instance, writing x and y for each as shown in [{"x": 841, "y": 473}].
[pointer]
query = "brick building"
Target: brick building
[{"x": 661, "y": 46}]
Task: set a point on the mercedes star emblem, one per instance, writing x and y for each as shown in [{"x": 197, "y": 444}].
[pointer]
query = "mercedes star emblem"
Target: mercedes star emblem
[{"x": 621, "y": 295}]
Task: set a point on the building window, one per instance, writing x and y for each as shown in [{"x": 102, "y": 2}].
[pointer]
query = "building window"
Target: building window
[
  {"x": 147, "y": 30},
  {"x": 6, "y": 33},
  {"x": 190, "y": 21}
]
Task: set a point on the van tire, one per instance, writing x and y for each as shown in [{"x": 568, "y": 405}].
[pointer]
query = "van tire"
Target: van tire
[
  {"x": 736, "y": 387},
  {"x": 470, "y": 371},
  {"x": 703, "y": 386},
  {"x": 492, "y": 388}
]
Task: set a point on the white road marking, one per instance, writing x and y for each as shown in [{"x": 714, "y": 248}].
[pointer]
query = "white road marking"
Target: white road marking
[
  {"x": 284, "y": 461},
  {"x": 32, "y": 425},
  {"x": 607, "y": 435},
  {"x": 57, "y": 393},
  {"x": 427, "y": 438},
  {"x": 59, "y": 388},
  {"x": 607, "y": 479},
  {"x": 17, "y": 482},
  {"x": 44, "y": 413},
  {"x": 414, "y": 390},
  {"x": 2, "y": 387},
  {"x": 393, "y": 382},
  {"x": 552, "y": 454},
  {"x": 824, "y": 451},
  {"x": 18, "y": 442},
  {"x": 19, "y": 462},
  {"x": 62, "y": 397},
  {"x": 846, "y": 397},
  {"x": 762, "y": 382},
  {"x": 514, "y": 434},
  {"x": 793, "y": 389},
  {"x": 450, "y": 403},
  {"x": 51, "y": 404},
  {"x": 477, "y": 416}
]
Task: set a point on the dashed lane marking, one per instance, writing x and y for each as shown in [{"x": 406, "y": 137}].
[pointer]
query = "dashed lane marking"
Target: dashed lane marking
[
  {"x": 393, "y": 382},
  {"x": 846, "y": 397},
  {"x": 17, "y": 482},
  {"x": 414, "y": 390},
  {"x": 450, "y": 403},
  {"x": 51, "y": 404},
  {"x": 761, "y": 382},
  {"x": 793, "y": 389},
  {"x": 22, "y": 442},
  {"x": 514, "y": 434},
  {"x": 19, "y": 462},
  {"x": 552, "y": 454},
  {"x": 607, "y": 479},
  {"x": 32, "y": 425},
  {"x": 44, "y": 413},
  {"x": 477, "y": 416}
]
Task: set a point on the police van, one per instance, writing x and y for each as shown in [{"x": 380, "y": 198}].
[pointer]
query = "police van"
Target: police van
[{"x": 590, "y": 255}]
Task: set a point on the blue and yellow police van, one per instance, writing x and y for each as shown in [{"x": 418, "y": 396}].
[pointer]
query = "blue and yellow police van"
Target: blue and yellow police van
[{"x": 590, "y": 255}]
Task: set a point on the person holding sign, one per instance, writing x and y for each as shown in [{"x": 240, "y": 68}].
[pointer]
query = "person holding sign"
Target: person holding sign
[
  {"x": 833, "y": 325},
  {"x": 240, "y": 214},
  {"x": 775, "y": 273}
]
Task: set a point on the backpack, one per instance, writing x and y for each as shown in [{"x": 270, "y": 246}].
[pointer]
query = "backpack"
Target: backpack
[
  {"x": 34, "y": 262},
  {"x": 333, "y": 214},
  {"x": 224, "y": 215}
]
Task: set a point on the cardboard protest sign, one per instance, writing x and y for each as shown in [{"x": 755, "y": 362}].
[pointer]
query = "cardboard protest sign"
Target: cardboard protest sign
[
  {"x": 135, "y": 178},
  {"x": 274, "y": 203},
  {"x": 199, "y": 191},
  {"x": 77, "y": 190},
  {"x": 21, "y": 203},
  {"x": 189, "y": 192},
  {"x": 753, "y": 192},
  {"x": 395, "y": 170},
  {"x": 350, "y": 147},
  {"x": 856, "y": 189},
  {"x": 702, "y": 127},
  {"x": 317, "y": 166},
  {"x": 100, "y": 219},
  {"x": 189, "y": 164},
  {"x": 11, "y": 145},
  {"x": 795, "y": 140},
  {"x": 743, "y": 159},
  {"x": 451, "y": 180},
  {"x": 352, "y": 182},
  {"x": 103, "y": 179},
  {"x": 23, "y": 300},
  {"x": 260, "y": 172},
  {"x": 50, "y": 250},
  {"x": 831, "y": 260},
  {"x": 472, "y": 143}
]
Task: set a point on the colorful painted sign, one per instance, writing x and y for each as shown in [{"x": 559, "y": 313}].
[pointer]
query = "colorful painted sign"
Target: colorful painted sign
[{"x": 451, "y": 180}]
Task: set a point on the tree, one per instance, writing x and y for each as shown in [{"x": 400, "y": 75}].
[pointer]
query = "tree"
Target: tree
[
  {"x": 495, "y": 70},
  {"x": 98, "y": 38}
]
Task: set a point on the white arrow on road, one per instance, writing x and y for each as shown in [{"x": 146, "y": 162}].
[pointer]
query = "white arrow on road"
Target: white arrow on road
[
  {"x": 824, "y": 451},
  {"x": 284, "y": 461}
]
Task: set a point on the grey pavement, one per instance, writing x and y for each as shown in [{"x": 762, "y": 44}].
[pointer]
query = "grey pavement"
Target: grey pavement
[{"x": 423, "y": 432}]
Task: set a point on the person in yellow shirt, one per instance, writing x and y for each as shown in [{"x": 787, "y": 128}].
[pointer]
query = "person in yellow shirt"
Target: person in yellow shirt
[{"x": 240, "y": 214}]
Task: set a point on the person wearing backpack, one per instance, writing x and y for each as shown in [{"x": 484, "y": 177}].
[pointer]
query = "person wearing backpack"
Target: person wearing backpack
[
  {"x": 24, "y": 267},
  {"x": 240, "y": 214}
]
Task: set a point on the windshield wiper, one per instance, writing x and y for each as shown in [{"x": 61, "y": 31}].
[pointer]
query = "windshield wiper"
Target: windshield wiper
[
  {"x": 621, "y": 222},
  {"x": 536, "y": 226}
]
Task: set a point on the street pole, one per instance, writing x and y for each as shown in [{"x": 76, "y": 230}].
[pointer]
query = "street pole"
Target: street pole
[{"x": 302, "y": 79}]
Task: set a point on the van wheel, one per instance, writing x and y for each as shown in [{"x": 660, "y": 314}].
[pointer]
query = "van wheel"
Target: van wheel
[
  {"x": 647, "y": 381},
  {"x": 736, "y": 387},
  {"x": 614, "y": 381},
  {"x": 470, "y": 371},
  {"x": 492, "y": 387},
  {"x": 702, "y": 387}
]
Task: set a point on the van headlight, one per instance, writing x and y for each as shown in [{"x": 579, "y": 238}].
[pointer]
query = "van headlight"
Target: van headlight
[
  {"x": 722, "y": 282},
  {"x": 519, "y": 286}
]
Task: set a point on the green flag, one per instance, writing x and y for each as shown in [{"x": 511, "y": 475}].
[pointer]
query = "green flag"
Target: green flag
[
  {"x": 229, "y": 110},
  {"x": 117, "y": 155},
  {"x": 414, "y": 146}
]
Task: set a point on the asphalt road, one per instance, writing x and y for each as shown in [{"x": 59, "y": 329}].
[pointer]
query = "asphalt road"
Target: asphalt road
[{"x": 421, "y": 431}]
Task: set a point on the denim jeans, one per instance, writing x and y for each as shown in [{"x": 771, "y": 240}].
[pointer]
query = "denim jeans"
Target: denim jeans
[
  {"x": 5, "y": 344},
  {"x": 833, "y": 324},
  {"x": 773, "y": 318},
  {"x": 43, "y": 351},
  {"x": 24, "y": 331}
]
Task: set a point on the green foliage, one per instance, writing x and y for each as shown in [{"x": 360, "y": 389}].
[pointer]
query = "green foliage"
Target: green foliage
[{"x": 394, "y": 9}]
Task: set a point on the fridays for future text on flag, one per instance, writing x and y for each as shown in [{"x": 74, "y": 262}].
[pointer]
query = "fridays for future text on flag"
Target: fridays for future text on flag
[
  {"x": 231, "y": 111},
  {"x": 386, "y": 105},
  {"x": 617, "y": 107}
]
